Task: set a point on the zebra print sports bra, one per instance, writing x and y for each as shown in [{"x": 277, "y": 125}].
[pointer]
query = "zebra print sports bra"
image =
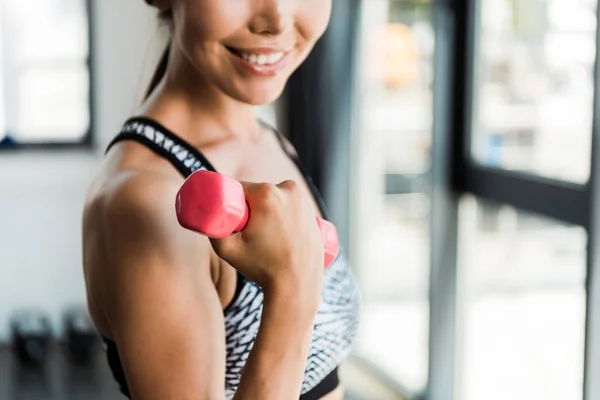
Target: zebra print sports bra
[{"x": 336, "y": 321}]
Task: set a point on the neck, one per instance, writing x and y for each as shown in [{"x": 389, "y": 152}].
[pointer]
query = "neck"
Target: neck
[{"x": 194, "y": 107}]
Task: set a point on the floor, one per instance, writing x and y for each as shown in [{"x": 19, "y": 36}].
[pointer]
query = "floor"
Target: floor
[
  {"x": 61, "y": 379},
  {"x": 58, "y": 379}
]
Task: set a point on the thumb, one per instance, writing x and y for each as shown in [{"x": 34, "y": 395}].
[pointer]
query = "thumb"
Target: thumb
[{"x": 228, "y": 248}]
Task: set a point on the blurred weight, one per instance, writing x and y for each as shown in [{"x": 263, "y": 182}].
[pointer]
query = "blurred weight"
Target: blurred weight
[
  {"x": 31, "y": 336},
  {"x": 80, "y": 334}
]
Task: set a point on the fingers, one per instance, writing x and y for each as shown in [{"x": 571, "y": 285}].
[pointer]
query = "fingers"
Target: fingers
[
  {"x": 264, "y": 199},
  {"x": 269, "y": 196},
  {"x": 267, "y": 189},
  {"x": 289, "y": 185}
]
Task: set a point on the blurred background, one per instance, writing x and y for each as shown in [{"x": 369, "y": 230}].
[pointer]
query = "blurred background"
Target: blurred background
[{"x": 454, "y": 141}]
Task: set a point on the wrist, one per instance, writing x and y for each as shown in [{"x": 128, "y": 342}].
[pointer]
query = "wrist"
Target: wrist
[{"x": 291, "y": 299}]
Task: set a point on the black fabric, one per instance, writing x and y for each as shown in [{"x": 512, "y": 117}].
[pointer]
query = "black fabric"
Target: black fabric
[
  {"x": 327, "y": 385},
  {"x": 144, "y": 121},
  {"x": 114, "y": 362}
]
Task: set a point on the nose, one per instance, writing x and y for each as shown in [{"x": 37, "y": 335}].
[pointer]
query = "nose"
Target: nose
[{"x": 273, "y": 17}]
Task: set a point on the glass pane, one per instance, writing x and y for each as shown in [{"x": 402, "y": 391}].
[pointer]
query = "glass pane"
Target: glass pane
[
  {"x": 46, "y": 30},
  {"x": 534, "y": 71},
  {"x": 53, "y": 104},
  {"x": 522, "y": 285},
  {"x": 45, "y": 78},
  {"x": 392, "y": 234}
]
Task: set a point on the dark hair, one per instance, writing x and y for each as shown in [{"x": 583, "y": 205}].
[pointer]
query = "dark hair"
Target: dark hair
[
  {"x": 161, "y": 68},
  {"x": 159, "y": 72}
]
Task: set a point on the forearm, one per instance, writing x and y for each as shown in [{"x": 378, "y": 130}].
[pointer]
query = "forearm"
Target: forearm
[{"x": 275, "y": 366}]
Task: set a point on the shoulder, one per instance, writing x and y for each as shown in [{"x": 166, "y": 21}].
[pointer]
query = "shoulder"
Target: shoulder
[
  {"x": 139, "y": 194},
  {"x": 130, "y": 192},
  {"x": 134, "y": 216}
]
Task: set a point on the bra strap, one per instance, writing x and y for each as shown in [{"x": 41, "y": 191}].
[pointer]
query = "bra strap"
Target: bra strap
[{"x": 182, "y": 155}]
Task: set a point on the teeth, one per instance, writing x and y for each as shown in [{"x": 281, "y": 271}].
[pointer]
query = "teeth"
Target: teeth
[{"x": 263, "y": 59}]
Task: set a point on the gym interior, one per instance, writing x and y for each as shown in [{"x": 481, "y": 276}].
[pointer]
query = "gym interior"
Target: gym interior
[{"x": 454, "y": 141}]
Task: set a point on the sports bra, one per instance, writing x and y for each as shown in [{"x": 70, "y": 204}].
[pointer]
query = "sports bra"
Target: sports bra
[{"x": 336, "y": 321}]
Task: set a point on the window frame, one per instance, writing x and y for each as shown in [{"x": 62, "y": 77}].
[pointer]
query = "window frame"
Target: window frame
[{"x": 592, "y": 349}]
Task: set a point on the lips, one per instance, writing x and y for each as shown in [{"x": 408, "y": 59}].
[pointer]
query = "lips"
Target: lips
[{"x": 259, "y": 56}]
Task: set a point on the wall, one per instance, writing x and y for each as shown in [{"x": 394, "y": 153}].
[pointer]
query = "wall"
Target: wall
[{"x": 42, "y": 192}]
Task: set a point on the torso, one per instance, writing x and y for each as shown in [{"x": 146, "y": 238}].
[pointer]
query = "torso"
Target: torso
[{"x": 261, "y": 160}]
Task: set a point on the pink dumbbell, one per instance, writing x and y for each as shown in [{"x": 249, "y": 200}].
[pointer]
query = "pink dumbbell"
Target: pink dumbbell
[{"x": 214, "y": 205}]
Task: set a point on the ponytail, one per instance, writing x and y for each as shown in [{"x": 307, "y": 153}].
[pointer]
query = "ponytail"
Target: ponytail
[
  {"x": 161, "y": 68},
  {"x": 159, "y": 73}
]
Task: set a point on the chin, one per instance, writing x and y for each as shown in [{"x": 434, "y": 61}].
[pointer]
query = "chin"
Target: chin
[{"x": 258, "y": 95}]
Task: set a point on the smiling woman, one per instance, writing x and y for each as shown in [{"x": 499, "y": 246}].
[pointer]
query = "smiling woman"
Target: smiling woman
[
  {"x": 252, "y": 315},
  {"x": 229, "y": 31}
]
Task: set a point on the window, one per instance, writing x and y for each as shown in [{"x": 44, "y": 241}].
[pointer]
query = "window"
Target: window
[
  {"x": 522, "y": 284},
  {"x": 505, "y": 173},
  {"x": 534, "y": 75},
  {"x": 45, "y": 77},
  {"x": 396, "y": 76},
  {"x": 525, "y": 323}
]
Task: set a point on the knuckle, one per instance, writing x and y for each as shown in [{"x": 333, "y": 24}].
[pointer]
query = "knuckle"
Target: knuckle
[
  {"x": 294, "y": 191},
  {"x": 266, "y": 190},
  {"x": 268, "y": 193},
  {"x": 290, "y": 185}
]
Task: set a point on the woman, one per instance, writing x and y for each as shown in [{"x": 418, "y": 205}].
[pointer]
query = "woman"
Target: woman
[{"x": 183, "y": 316}]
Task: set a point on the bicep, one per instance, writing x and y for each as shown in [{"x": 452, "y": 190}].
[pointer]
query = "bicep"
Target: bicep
[
  {"x": 170, "y": 337},
  {"x": 163, "y": 311}
]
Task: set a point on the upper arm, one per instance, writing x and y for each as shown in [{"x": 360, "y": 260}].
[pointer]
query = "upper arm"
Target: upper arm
[{"x": 163, "y": 310}]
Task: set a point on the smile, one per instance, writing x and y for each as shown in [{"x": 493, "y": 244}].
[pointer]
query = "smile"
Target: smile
[{"x": 262, "y": 61}]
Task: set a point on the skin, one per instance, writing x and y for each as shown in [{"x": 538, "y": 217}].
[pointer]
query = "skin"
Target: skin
[{"x": 157, "y": 289}]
